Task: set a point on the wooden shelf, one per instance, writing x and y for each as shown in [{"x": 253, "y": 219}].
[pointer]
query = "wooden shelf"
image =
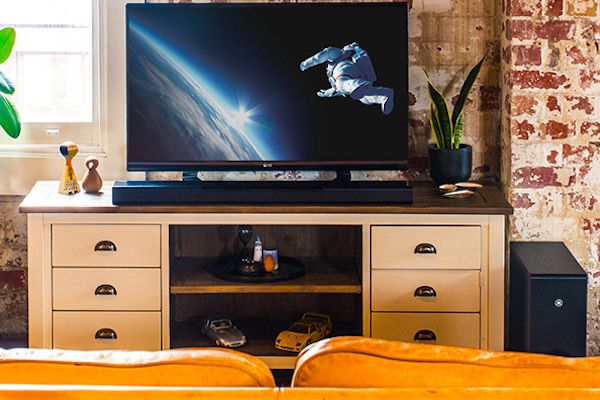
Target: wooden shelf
[
  {"x": 260, "y": 336},
  {"x": 191, "y": 276}
]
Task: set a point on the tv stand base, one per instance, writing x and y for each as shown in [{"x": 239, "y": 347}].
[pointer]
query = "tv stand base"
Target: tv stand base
[{"x": 336, "y": 192}]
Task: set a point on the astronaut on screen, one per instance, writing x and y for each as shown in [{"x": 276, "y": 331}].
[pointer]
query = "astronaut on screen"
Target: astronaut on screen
[{"x": 351, "y": 73}]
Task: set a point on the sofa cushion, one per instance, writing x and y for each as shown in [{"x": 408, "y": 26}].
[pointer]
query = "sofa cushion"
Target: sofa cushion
[
  {"x": 87, "y": 392},
  {"x": 366, "y": 362},
  {"x": 434, "y": 394},
  {"x": 189, "y": 367}
]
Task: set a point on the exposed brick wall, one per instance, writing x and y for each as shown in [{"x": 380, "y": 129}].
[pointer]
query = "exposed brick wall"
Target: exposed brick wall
[
  {"x": 551, "y": 92},
  {"x": 13, "y": 268}
]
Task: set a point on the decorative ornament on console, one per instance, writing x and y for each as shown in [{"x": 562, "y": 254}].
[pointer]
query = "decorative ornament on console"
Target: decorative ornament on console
[
  {"x": 92, "y": 182},
  {"x": 68, "y": 183}
]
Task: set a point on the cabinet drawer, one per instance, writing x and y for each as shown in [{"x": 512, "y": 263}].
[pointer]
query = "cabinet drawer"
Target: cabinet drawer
[
  {"x": 93, "y": 330},
  {"x": 447, "y": 329},
  {"x": 87, "y": 289},
  {"x": 106, "y": 245},
  {"x": 442, "y": 291},
  {"x": 426, "y": 247}
]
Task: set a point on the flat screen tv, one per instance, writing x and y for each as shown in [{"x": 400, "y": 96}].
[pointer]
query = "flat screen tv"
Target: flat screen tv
[{"x": 320, "y": 86}]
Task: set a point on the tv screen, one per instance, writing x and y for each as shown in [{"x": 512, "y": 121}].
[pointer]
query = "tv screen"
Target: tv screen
[{"x": 254, "y": 86}]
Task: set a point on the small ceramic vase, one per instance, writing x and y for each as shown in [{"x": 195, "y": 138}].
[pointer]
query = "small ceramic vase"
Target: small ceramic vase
[{"x": 92, "y": 183}]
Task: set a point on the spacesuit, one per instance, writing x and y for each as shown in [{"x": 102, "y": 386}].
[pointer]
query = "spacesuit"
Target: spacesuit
[{"x": 350, "y": 73}]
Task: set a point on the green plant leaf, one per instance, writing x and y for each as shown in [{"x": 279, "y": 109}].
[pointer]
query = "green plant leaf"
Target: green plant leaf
[
  {"x": 6, "y": 85},
  {"x": 464, "y": 91},
  {"x": 9, "y": 119},
  {"x": 435, "y": 128},
  {"x": 7, "y": 41},
  {"x": 442, "y": 112},
  {"x": 458, "y": 130}
]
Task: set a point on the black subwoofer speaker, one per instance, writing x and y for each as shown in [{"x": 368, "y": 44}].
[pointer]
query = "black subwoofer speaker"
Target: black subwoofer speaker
[{"x": 548, "y": 300}]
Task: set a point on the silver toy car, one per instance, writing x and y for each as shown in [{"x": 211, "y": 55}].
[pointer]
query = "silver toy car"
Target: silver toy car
[{"x": 223, "y": 332}]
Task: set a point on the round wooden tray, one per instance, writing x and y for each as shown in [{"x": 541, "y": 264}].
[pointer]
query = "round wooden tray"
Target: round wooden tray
[{"x": 289, "y": 268}]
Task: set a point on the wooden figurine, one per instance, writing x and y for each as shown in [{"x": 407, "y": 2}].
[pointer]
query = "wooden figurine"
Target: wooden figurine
[
  {"x": 92, "y": 182},
  {"x": 68, "y": 183}
]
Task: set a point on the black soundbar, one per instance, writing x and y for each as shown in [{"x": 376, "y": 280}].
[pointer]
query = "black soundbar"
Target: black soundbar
[{"x": 261, "y": 193}]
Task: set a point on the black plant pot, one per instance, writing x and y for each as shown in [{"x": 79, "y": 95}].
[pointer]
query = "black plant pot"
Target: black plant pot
[{"x": 450, "y": 165}]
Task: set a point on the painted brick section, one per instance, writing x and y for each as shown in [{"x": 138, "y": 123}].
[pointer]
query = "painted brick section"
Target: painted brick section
[
  {"x": 540, "y": 177},
  {"x": 523, "y": 105},
  {"x": 554, "y": 8},
  {"x": 522, "y": 130},
  {"x": 525, "y": 8},
  {"x": 521, "y": 29},
  {"x": 556, "y": 130},
  {"x": 589, "y": 79},
  {"x": 555, "y": 30},
  {"x": 576, "y": 55},
  {"x": 582, "y": 103},
  {"x": 586, "y": 8},
  {"x": 538, "y": 80},
  {"x": 552, "y": 104},
  {"x": 551, "y": 107},
  {"x": 527, "y": 55},
  {"x": 590, "y": 130}
]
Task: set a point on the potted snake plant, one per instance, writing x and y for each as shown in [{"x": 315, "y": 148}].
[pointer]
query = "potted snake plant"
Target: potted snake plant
[
  {"x": 449, "y": 160},
  {"x": 9, "y": 118}
]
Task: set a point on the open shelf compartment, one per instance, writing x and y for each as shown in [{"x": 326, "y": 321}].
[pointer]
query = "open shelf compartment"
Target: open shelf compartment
[{"x": 331, "y": 285}]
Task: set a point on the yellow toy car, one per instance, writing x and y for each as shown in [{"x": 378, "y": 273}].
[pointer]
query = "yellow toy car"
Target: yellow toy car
[{"x": 311, "y": 328}]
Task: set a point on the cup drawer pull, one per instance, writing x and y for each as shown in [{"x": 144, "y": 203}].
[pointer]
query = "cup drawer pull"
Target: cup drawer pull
[
  {"x": 425, "y": 291},
  {"x": 106, "y": 333},
  {"x": 425, "y": 335},
  {"x": 105, "y": 290},
  {"x": 425, "y": 248},
  {"x": 105, "y": 245}
]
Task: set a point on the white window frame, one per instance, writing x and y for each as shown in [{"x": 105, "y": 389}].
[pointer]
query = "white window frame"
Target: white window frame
[
  {"x": 94, "y": 137},
  {"x": 24, "y": 164}
]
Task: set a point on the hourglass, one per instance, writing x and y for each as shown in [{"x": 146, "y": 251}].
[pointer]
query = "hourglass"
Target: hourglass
[{"x": 245, "y": 265}]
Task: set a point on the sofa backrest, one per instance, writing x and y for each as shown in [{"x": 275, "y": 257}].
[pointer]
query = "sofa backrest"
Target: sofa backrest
[
  {"x": 364, "y": 362},
  {"x": 190, "y": 367}
]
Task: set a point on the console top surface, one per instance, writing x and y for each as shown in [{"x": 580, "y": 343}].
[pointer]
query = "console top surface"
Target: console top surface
[{"x": 44, "y": 198}]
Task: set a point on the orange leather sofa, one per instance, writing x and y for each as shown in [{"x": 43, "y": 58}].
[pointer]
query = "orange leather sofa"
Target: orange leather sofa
[
  {"x": 174, "y": 368},
  {"x": 56, "y": 392},
  {"x": 374, "y": 363},
  {"x": 335, "y": 369}
]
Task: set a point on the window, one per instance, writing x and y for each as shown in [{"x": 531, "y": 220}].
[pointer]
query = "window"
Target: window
[
  {"x": 85, "y": 42},
  {"x": 55, "y": 69}
]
